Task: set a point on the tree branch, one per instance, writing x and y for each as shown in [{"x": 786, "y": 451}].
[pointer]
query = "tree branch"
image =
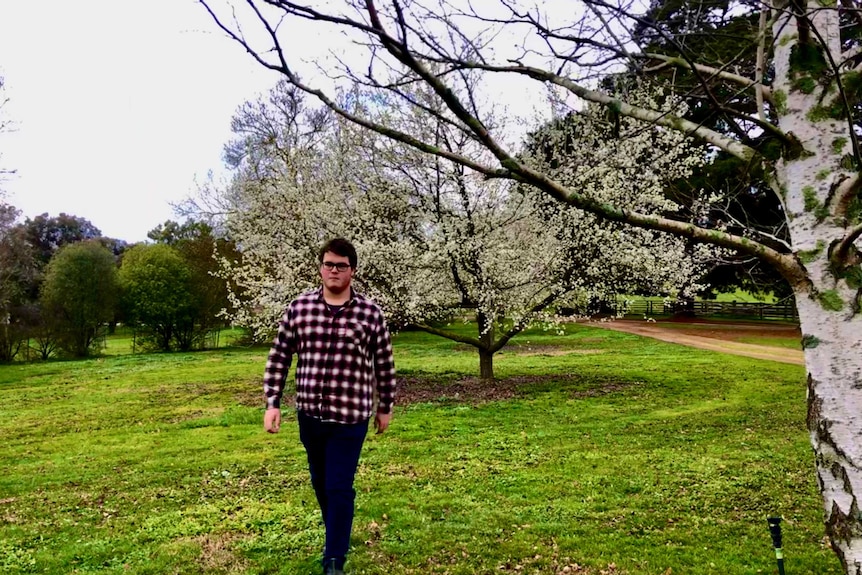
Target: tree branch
[
  {"x": 397, "y": 135},
  {"x": 684, "y": 55},
  {"x": 842, "y": 251},
  {"x": 758, "y": 67},
  {"x": 844, "y": 194},
  {"x": 713, "y": 72},
  {"x": 729, "y": 145},
  {"x": 518, "y": 327},
  {"x": 475, "y": 342}
]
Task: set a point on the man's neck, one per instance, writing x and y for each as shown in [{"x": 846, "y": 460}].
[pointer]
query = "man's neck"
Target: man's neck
[{"x": 333, "y": 298}]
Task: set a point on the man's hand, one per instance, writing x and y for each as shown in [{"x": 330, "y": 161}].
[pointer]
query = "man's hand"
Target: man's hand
[
  {"x": 381, "y": 421},
  {"x": 272, "y": 420}
]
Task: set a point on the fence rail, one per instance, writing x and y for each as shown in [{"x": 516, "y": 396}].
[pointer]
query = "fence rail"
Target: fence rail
[{"x": 776, "y": 311}]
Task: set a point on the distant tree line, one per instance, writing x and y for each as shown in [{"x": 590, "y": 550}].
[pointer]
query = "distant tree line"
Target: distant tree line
[{"x": 64, "y": 286}]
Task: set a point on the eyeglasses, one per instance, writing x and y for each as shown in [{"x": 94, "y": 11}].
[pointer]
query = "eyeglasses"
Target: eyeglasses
[{"x": 340, "y": 266}]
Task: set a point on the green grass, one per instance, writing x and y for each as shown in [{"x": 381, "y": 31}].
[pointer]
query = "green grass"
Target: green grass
[
  {"x": 123, "y": 341},
  {"x": 740, "y": 296},
  {"x": 614, "y": 450},
  {"x": 743, "y": 296},
  {"x": 789, "y": 343}
]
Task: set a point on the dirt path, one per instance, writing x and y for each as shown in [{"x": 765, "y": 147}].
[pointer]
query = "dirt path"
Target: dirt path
[{"x": 716, "y": 336}]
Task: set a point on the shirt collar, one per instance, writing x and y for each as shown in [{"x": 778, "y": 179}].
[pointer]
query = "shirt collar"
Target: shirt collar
[{"x": 319, "y": 292}]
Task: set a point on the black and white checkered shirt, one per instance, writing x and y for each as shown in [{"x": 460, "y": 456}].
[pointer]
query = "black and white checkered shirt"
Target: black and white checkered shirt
[{"x": 341, "y": 358}]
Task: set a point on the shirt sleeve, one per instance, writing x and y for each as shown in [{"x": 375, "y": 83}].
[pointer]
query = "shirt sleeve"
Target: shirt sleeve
[
  {"x": 384, "y": 368},
  {"x": 278, "y": 362}
]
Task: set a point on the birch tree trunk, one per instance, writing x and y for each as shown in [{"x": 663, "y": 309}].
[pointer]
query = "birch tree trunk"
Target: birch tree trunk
[
  {"x": 834, "y": 360},
  {"x": 810, "y": 182}
]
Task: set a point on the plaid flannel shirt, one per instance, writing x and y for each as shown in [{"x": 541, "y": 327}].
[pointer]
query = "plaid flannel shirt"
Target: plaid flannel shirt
[{"x": 341, "y": 359}]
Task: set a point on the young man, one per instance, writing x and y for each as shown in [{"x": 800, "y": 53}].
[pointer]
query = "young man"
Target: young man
[{"x": 344, "y": 353}]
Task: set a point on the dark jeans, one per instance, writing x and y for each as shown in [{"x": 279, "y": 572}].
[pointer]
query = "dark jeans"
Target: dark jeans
[{"x": 333, "y": 455}]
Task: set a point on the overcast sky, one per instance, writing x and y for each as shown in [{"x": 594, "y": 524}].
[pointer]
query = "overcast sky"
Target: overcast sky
[
  {"x": 119, "y": 106},
  {"x": 122, "y": 107}
]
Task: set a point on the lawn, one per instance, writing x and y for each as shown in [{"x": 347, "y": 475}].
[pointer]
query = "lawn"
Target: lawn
[
  {"x": 594, "y": 452},
  {"x": 785, "y": 342}
]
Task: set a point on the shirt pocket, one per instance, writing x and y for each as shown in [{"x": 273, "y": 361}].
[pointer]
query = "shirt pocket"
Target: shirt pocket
[{"x": 350, "y": 337}]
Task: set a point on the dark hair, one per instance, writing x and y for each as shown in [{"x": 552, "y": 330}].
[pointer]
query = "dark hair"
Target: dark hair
[{"x": 340, "y": 247}]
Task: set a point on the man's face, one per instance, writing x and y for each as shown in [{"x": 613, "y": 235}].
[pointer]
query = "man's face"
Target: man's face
[{"x": 336, "y": 272}]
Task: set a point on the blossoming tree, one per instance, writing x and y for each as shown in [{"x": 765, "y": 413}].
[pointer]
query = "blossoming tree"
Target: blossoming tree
[{"x": 436, "y": 240}]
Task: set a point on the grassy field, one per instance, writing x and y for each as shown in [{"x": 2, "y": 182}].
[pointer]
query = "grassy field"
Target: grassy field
[
  {"x": 739, "y": 296},
  {"x": 596, "y": 452},
  {"x": 743, "y": 296},
  {"x": 788, "y": 343},
  {"x": 123, "y": 341}
]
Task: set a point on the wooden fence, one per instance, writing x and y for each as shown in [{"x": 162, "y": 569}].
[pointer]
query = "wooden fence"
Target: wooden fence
[{"x": 773, "y": 311}]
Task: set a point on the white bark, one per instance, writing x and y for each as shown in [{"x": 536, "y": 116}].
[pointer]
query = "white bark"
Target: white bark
[
  {"x": 834, "y": 363},
  {"x": 828, "y": 308}
]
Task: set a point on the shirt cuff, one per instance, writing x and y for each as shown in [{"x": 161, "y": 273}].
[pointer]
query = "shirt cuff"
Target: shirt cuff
[
  {"x": 384, "y": 407},
  {"x": 273, "y": 403}
]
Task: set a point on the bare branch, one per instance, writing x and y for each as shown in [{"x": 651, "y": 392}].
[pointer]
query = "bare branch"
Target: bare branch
[
  {"x": 774, "y": 238},
  {"x": 685, "y": 56},
  {"x": 399, "y": 136},
  {"x": 712, "y": 72},
  {"x": 238, "y": 38},
  {"x": 717, "y": 139},
  {"x": 465, "y": 339}
]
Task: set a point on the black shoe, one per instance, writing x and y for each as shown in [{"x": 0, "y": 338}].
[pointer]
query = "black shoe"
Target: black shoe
[{"x": 329, "y": 568}]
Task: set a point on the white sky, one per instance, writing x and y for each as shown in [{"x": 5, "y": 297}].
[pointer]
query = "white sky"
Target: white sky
[
  {"x": 119, "y": 106},
  {"x": 122, "y": 106}
]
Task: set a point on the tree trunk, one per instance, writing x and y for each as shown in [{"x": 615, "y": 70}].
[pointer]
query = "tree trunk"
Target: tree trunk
[
  {"x": 833, "y": 356},
  {"x": 817, "y": 205},
  {"x": 486, "y": 337},
  {"x": 486, "y": 364}
]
